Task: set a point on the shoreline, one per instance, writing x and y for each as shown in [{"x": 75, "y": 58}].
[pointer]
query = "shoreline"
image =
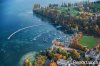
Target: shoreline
[
  {"x": 52, "y": 56},
  {"x": 71, "y": 23}
]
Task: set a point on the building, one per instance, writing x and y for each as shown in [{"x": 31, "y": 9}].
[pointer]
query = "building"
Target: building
[
  {"x": 62, "y": 62},
  {"x": 93, "y": 54}
]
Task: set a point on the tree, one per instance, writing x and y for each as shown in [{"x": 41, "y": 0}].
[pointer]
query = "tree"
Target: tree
[
  {"x": 36, "y": 5},
  {"x": 27, "y": 62},
  {"x": 75, "y": 54},
  {"x": 52, "y": 55},
  {"x": 64, "y": 57},
  {"x": 98, "y": 48},
  {"x": 87, "y": 58},
  {"x": 63, "y": 52},
  {"x": 82, "y": 65}
]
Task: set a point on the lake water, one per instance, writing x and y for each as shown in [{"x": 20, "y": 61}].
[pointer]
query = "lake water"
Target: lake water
[{"x": 22, "y": 32}]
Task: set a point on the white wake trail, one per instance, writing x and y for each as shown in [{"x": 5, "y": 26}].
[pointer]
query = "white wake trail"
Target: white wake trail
[
  {"x": 40, "y": 35},
  {"x": 22, "y": 29}
]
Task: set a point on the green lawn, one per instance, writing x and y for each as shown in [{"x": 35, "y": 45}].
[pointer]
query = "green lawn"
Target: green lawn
[
  {"x": 88, "y": 41},
  {"x": 65, "y": 10},
  {"x": 96, "y": 5}
]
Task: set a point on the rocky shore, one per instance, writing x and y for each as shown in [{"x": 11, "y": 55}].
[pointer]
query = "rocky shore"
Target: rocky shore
[{"x": 61, "y": 53}]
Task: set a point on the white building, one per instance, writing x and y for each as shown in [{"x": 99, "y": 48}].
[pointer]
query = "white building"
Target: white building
[
  {"x": 62, "y": 62},
  {"x": 95, "y": 55}
]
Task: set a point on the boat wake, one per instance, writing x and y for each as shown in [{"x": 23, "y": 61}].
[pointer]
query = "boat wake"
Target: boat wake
[
  {"x": 35, "y": 38},
  {"x": 22, "y": 30}
]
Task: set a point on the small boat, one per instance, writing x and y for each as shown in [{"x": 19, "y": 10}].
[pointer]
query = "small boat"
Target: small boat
[
  {"x": 39, "y": 20},
  {"x": 34, "y": 39},
  {"x": 58, "y": 27},
  {"x": 54, "y": 34},
  {"x": 44, "y": 40}
]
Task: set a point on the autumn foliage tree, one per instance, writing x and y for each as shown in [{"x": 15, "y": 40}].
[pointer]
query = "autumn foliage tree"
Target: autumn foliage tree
[{"x": 75, "y": 54}]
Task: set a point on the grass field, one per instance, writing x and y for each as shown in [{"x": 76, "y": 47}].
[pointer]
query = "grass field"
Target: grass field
[
  {"x": 97, "y": 5},
  {"x": 65, "y": 10},
  {"x": 88, "y": 41}
]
